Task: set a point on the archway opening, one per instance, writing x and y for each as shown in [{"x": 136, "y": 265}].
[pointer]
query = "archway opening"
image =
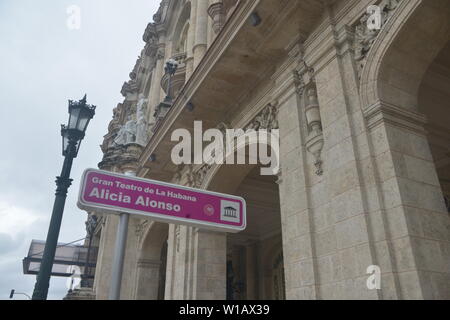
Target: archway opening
[
  {"x": 152, "y": 262},
  {"x": 255, "y": 268},
  {"x": 434, "y": 103},
  {"x": 412, "y": 65}
]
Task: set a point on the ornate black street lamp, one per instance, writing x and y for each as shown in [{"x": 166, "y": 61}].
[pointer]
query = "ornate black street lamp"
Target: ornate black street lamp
[{"x": 80, "y": 113}]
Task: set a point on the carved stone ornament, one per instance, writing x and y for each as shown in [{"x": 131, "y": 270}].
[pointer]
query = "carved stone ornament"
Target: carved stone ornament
[
  {"x": 315, "y": 139},
  {"x": 134, "y": 73},
  {"x": 196, "y": 178},
  {"x": 178, "y": 174},
  {"x": 150, "y": 35},
  {"x": 129, "y": 87},
  {"x": 267, "y": 119},
  {"x": 365, "y": 35},
  {"x": 304, "y": 76}
]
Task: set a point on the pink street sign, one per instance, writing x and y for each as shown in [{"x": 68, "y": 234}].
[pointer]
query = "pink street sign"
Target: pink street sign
[{"x": 116, "y": 193}]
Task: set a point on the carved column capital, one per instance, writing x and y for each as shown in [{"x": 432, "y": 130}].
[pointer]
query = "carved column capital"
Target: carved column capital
[{"x": 129, "y": 158}]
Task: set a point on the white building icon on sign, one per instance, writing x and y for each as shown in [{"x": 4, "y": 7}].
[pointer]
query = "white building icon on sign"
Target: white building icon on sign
[{"x": 229, "y": 211}]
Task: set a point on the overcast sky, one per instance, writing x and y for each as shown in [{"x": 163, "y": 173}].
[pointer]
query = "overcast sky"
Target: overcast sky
[{"x": 43, "y": 64}]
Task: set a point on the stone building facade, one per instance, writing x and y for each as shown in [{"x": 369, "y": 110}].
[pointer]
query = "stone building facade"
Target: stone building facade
[{"x": 363, "y": 115}]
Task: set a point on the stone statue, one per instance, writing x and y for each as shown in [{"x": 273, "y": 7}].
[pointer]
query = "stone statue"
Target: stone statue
[
  {"x": 141, "y": 123},
  {"x": 127, "y": 133}
]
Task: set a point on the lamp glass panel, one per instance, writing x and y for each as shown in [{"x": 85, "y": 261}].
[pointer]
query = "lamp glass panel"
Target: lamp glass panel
[
  {"x": 74, "y": 117},
  {"x": 82, "y": 124},
  {"x": 65, "y": 143}
]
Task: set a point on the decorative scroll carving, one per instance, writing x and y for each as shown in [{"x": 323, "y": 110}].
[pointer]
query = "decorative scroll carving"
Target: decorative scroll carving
[
  {"x": 196, "y": 178},
  {"x": 266, "y": 119},
  {"x": 178, "y": 174},
  {"x": 303, "y": 77},
  {"x": 365, "y": 36}
]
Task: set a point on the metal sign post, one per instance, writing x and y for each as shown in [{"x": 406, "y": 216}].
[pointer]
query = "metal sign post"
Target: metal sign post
[{"x": 119, "y": 252}]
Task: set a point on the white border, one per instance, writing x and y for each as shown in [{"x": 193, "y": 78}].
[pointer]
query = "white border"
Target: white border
[{"x": 109, "y": 209}]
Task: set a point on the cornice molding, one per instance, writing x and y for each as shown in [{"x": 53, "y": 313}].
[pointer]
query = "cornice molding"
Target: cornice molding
[{"x": 383, "y": 112}]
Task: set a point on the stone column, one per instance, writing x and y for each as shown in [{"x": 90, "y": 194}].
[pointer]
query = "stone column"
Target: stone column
[
  {"x": 106, "y": 245},
  {"x": 128, "y": 289},
  {"x": 251, "y": 272},
  {"x": 201, "y": 31},
  {"x": 181, "y": 263},
  {"x": 295, "y": 207},
  {"x": 105, "y": 256},
  {"x": 191, "y": 40},
  {"x": 169, "y": 291},
  {"x": 411, "y": 203},
  {"x": 148, "y": 272},
  {"x": 209, "y": 265}
]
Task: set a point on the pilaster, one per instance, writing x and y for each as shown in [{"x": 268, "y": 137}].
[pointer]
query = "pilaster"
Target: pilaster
[{"x": 201, "y": 31}]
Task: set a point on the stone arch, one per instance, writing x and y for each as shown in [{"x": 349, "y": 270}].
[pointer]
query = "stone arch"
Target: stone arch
[
  {"x": 251, "y": 254},
  {"x": 402, "y": 53},
  {"x": 216, "y": 172},
  {"x": 150, "y": 262},
  {"x": 181, "y": 27},
  {"x": 395, "y": 68},
  {"x": 181, "y": 46},
  {"x": 226, "y": 181}
]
